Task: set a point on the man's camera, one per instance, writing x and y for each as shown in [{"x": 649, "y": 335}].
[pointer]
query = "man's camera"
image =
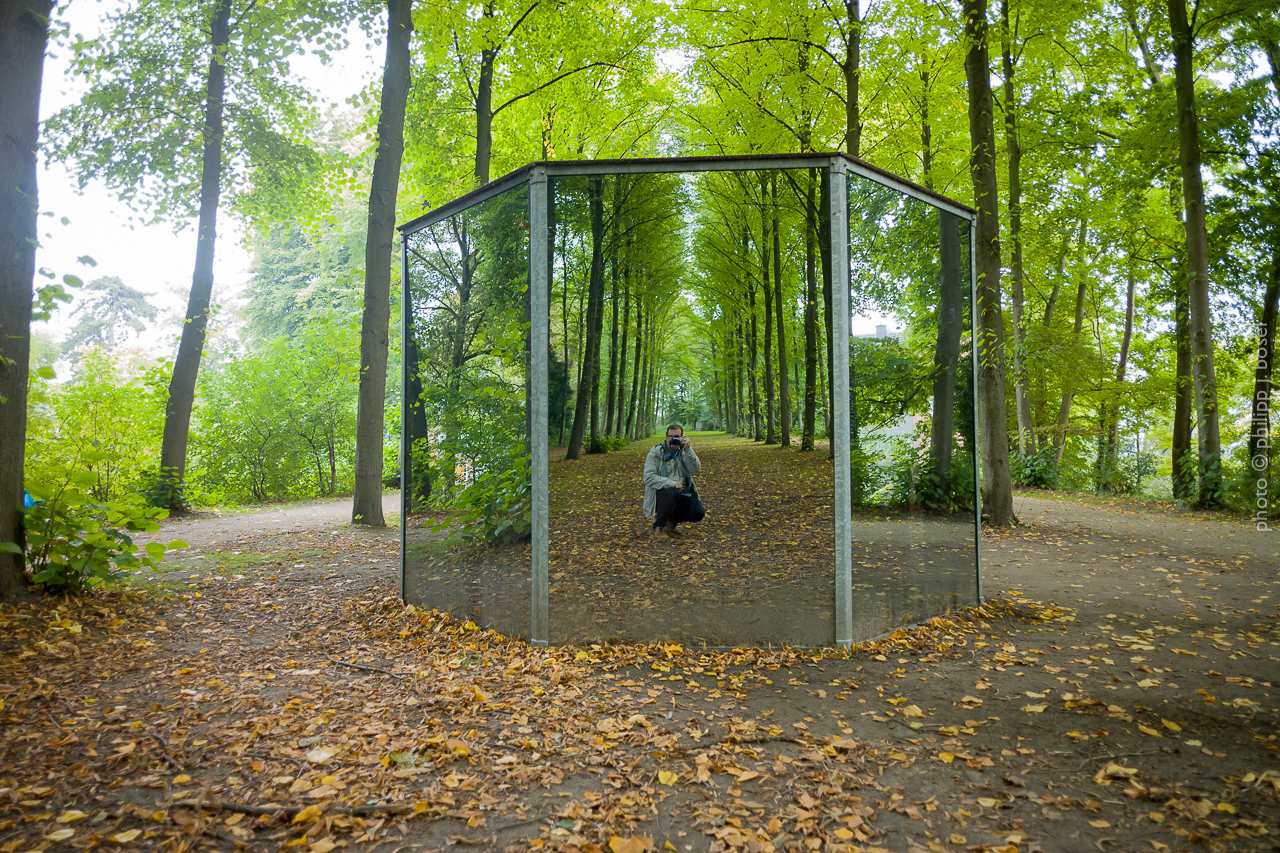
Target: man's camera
[{"x": 673, "y": 442}]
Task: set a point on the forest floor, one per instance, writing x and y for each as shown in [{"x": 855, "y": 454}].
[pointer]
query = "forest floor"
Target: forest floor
[{"x": 267, "y": 692}]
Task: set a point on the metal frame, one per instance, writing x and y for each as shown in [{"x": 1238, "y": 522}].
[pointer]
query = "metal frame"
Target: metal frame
[
  {"x": 974, "y": 310},
  {"x": 540, "y": 201},
  {"x": 405, "y": 458},
  {"x": 539, "y": 176}
]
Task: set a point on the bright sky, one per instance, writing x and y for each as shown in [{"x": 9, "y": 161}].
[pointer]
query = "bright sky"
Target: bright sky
[{"x": 153, "y": 259}]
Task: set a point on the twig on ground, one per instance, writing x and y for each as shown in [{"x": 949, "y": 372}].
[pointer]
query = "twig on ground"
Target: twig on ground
[
  {"x": 365, "y": 667},
  {"x": 278, "y": 811},
  {"x": 1108, "y": 757}
]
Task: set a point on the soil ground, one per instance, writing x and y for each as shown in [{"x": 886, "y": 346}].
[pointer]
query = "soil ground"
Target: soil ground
[{"x": 268, "y": 692}]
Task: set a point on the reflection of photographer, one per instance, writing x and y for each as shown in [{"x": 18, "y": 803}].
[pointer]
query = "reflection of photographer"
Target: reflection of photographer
[{"x": 670, "y": 495}]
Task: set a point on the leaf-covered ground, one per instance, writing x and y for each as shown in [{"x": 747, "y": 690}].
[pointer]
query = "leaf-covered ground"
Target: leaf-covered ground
[{"x": 273, "y": 695}]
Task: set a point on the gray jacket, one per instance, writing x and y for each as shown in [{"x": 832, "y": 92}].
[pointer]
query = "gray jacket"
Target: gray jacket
[{"x": 654, "y": 479}]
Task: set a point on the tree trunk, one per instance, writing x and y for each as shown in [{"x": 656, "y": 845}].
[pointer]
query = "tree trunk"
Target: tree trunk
[
  {"x": 591, "y": 348},
  {"x": 636, "y": 372},
  {"x": 622, "y": 348},
  {"x": 1260, "y": 423},
  {"x": 366, "y": 504},
  {"x": 186, "y": 367},
  {"x": 1109, "y": 435},
  {"x": 1206, "y": 384},
  {"x": 998, "y": 487},
  {"x": 770, "y": 437},
  {"x": 810, "y": 320},
  {"x": 784, "y": 377},
  {"x": 1181, "y": 457},
  {"x": 926, "y": 133},
  {"x": 611, "y": 392},
  {"x": 24, "y": 34},
  {"x": 484, "y": 114},
  {"x": 418, "y": 489},
  {"x": 756, "y": 422},
  {"x": 1021, "y": 389},
  {"x": 1068, "y": 383},
  {"x": 946, "y": 355},
  {"x": 852, "y": 71}
]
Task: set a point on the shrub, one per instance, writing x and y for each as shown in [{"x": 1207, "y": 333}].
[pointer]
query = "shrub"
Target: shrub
[{"x": 73, "y": 539}]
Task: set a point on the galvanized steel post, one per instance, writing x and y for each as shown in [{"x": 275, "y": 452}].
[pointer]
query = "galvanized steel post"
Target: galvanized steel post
[
  {"x": 406, "y": 461},
  {"x": 539, "y": 341},
  {"x": 840, "y": 322}
]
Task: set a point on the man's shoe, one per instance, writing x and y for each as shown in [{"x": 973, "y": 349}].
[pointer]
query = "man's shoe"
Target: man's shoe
[
  {"x": 660, "y": 533},
  {"x": 671, "y": 529}
]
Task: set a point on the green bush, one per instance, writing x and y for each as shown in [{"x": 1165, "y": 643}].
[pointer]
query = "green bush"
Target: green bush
[
  {"x": 73, "y": 539},
  {"x": 495, "y": 507},
  {"x": 1039, "y": 470}
]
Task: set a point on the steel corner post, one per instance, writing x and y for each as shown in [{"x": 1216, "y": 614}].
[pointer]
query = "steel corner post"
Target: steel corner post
[
  {"x": 539, "y": 340},
  {"x": 405, "y": 459},
  {"x": 977, "y": 417},
  {"x": 837, "y": 182}
]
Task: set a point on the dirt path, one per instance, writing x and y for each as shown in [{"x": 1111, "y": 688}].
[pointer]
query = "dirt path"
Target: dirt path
[
  {"x": 1119, "y": 694},
  {"x": 203, "y": 530}
]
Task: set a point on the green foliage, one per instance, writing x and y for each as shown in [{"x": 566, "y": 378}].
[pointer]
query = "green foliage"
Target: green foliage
[
  {"x": 280, "y": 422},
  {"x": 106, "y": 422},
  {"x": 1037, "y": 470},
  {"x": 494, "y": 507},
  {"x": 74, "y": 539}
]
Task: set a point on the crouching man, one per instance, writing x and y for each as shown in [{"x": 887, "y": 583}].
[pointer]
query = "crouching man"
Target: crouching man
[{"x": 670, "y": 495}]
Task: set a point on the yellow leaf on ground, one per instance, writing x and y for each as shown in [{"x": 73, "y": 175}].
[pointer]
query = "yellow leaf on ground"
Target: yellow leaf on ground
[
  {"x": 1034, "y": 709},
  {"x": 324, "y": 845},
  {"x": 1147, "y": 730},
  {"x": 126, "y": 836},
  {"x": 1226, "y": 807},
  {"x": 666, "y": 777},
  {"x": 183, "y": 778},
  {"x": 71, "y": 816},
  {"x": 1171, "y": 726},
  {"x": 308, "y": 814},
  {"x": 321, "y": 754},
  {"x": 1099, "y": 824},
  {"x": 1149, "y": 682},
  {"x": 912, "y": 711},
  {"x": 64, "y": 834},
  {"x": 947, "y": 757}
]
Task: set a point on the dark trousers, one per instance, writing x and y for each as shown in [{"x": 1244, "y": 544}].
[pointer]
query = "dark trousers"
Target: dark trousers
[{"x": 672, "y": 506}]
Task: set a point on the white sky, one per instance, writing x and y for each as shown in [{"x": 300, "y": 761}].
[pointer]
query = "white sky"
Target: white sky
[{"x": 153, "y": 259}]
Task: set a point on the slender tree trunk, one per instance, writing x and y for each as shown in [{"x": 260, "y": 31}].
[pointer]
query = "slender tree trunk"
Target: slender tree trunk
[
  {"x": 784, "y": 377},
  {"x": 756, "y": 423},
  {"x": 366, "y": 503},
  {"x": 1068, "y": 382},
  {"x": 810, "y": 319},
  {"x": 1206, "y": 383},
  {"x": 1021, "y": 388},
  {"x": 24, "y": 35},
  {"x": 926, "y": 133},
  {"x": 622, "y": 348},
  {"x": 770, "y": 437},
  {"x": 998, "y": 486},
  {"x": 586, "y": 402},
  {"x": 636, "y": 372},
  {"x": 651, "y": 400},
  {"x": 186, "y": 367},
  {"x": 1260, "y": 422},
  {"x": 419, "y": 463},
  {"x": 1109, "y": 411},
  {"x": 946, "y": 355}
]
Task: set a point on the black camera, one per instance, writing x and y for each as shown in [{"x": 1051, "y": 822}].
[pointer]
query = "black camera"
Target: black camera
[{"x": 673, "y": 442}]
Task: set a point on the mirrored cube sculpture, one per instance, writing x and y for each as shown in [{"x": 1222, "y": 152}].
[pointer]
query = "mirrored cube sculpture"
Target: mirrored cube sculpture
[{"x": 805, "y": 319}]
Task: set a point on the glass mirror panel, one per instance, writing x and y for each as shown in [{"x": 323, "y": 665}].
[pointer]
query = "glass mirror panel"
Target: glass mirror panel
[
  {"x": 695, "y": 299},
  {"x": 912, "y": 441},
  {"x": 467, "y": 533}
]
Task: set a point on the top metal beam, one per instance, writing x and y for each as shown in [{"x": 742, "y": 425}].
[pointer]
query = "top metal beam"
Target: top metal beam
[{"x": 659, "y": 165}]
